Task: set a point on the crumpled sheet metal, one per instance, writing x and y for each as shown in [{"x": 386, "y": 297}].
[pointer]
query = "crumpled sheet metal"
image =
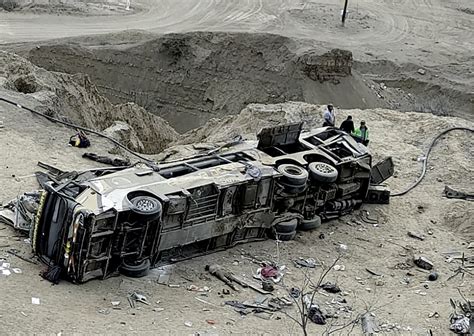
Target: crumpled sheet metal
[{"x": 20, "y": 212}]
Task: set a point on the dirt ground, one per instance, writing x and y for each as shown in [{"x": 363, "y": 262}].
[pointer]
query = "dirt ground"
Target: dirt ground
[
  {"x": 391, "y": 41},
  {"x": 447, "y": 225}
]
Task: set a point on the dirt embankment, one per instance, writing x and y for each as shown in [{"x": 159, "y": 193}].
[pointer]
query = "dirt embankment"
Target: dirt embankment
[
  {"x": 189, "y": 78},
  {"x": 74, "y": 98},
  {"x": 421, "y": 89}
]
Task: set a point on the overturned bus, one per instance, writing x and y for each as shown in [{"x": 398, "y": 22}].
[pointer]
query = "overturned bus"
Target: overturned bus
[{"x": 92, "y": 226}]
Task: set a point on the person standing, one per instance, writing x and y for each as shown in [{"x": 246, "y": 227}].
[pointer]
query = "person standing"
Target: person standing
[
  {"x": 329, "y": 116},
  {"x": 362, "y": 133},
  {"x": 348, "y": 125}
]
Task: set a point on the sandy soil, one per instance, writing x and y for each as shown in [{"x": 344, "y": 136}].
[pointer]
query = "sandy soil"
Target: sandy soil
[
  {"x": 87, "y": 308},
  {"x": 390, "y": 40}
]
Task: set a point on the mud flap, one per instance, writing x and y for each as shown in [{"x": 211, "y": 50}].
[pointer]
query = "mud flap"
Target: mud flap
[{"x": 382, "y": 171}]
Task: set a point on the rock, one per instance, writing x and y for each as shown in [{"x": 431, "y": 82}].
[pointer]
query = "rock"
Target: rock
[
  {"x": 122, "y": 132},
  {"x": 267, "y": 286},
  {"x": 339, "y": 267},
  {"x": 423, "y": 262},
  {"x": 188, "y": 324},
  {"x": 421, "y": 71},
  {"x": 330, "y": 287},
  {"x": 342, "y": 248}
]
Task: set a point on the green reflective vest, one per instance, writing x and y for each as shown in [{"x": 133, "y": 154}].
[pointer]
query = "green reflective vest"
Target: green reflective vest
[{"x": 362, "y": 134}]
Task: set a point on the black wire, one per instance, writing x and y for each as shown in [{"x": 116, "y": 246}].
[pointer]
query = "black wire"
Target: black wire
[
  {"x": 78, "y": 127},
  {"x": 426, "y": 156}
]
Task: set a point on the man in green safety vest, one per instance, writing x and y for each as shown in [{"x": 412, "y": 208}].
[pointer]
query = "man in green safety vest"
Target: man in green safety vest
[{"x": 361, "y": 134}]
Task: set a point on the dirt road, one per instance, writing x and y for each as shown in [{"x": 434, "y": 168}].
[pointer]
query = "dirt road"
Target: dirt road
[{"x": 401, "y": 30}]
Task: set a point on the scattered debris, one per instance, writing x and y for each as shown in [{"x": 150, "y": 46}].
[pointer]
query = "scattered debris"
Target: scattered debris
[
  {"x": 267, "y": 286},
  {"x": 379, "y": 283},
  {"x": 451, "y": 193},
  {"x": 421, "y": 71},
  {"x": 79, "y": 140},
  {"x": 433, "y": 276},
  {"x": 423, "y": 262},
  {"x": 339, "y": 267},
  {"x": 35, "y": 301},
  {"x": 373, "y": 272},
  {"x": 136, "y": 297},
  {"x": 195, "y": 288},
  {"x": 460, "y": 320},
  {"x": 416, "y": 235},
  {"x": 212, "y": 322},
  {"x": 435, "y": 315},
  {"x": 295, "y": 292},
  {"x": 270, "y": 272},
  {"x": 460, "y": 324},
  {"x": 314, "y": 312},
  {"x": 20, "y": 211},
  {"x": 204, "y": 301},
  {"x": 364, "y": 216},
  {"x": 330, "y": 287},
  {"x": 310, "y": 262},
  {"x": 188, "y": 324},
  {"x": 115, "y": 303},
  {"x": 342, "y": 248},
  {"x": 4, "y": 268}
]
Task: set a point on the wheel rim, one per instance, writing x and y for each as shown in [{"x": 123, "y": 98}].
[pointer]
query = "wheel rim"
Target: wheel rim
[
  {"x": 145, "y": 205},
  {"x": 323, "y": 168}
]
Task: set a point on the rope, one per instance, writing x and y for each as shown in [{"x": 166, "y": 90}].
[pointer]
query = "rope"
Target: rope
[
  {"x": 425, "y": 159},
  {"x": 74, "y": 126}
]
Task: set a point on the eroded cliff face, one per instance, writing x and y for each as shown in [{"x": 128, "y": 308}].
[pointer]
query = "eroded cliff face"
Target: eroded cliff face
[
  {"x": 74, "y": 98},
  {"x": 190, "y": 78}
]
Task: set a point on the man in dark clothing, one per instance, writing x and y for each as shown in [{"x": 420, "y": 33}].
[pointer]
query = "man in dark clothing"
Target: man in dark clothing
[{"x": 348, "y": 125}]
